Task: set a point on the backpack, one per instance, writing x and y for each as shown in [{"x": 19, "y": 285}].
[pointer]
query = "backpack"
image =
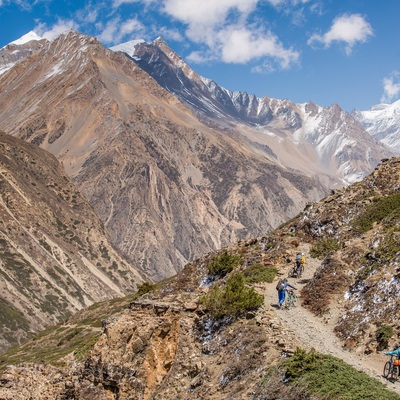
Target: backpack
[
  {"x": 303, "y": 260},
  {"x": 280, "y": 285}
]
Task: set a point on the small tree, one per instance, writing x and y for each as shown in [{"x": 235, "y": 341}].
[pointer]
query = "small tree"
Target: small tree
[
  {"x": 383, "y": 334},
  {"x": 144, "y": 288},
  {"x": 232, "y": 300},
  {"x": 223, "y": 264},
  {"x": 260, "y": 273}
]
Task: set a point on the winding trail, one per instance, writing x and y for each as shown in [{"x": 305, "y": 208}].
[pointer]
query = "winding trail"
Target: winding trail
[{"x": 315, "y": 332}]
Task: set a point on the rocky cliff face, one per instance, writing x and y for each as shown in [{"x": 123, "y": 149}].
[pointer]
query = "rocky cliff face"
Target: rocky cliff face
[
  {"x": 164, "y": 344},
  {"x": 55, "y": 255},
  {"x": 167, "y": 187}
]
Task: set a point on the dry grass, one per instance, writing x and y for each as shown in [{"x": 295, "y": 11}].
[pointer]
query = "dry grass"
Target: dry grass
[{"x": 331, "y": 279}]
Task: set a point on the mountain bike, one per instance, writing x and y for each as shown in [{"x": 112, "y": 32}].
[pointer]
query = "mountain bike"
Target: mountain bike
[
  {"x": 291, "y": 299},
  {"x": 297, "y": 271},
  {"x": 391, "y": 370}
]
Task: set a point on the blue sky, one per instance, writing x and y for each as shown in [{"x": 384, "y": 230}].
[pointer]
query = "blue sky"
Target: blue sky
[{"x": 325, "y": 51}]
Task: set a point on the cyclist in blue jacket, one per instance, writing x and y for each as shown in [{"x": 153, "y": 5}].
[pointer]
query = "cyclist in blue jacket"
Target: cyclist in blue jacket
[
  {"x": 395, "y": 352},
  {"x": 396, "y": 369}
]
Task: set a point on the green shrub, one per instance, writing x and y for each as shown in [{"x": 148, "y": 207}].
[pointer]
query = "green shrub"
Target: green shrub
[
  {"x": 223, "y": 264},
  {"x": 381, "y": 256},
  {"x": 324, "y": 246},
  {"x": 259, "y": 273},
  {"x": 388, "y": 248},
  {"x": 86, "y": 347},
  {"x": 383, "y": 334},
  {"x": 364, "y": 272},
  {"x": 382, "y": 208},
  {"x": 322, "y": 376},
  {"x": 144, "y": 288},
  {"x": 232, "y": 300}
]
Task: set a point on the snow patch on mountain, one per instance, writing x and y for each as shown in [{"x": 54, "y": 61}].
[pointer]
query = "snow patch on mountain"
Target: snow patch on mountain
[
  {"x": 27, "y": 38},
  {"x": 127, "y": 47},
  {"x": 19, "y": 49},
  {"x": 383, "y": 123}
]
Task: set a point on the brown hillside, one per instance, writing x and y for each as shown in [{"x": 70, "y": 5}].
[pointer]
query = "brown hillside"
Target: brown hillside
[
  {"x": 165, "y": 344},
  {"x": 55, "y": 255}
]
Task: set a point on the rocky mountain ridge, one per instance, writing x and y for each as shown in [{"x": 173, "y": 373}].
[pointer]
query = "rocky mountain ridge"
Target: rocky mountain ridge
[
  {"x": 164, "y": 344},
  {"x": 334, "y": 129},
  {"x": 323, "y": 141}
]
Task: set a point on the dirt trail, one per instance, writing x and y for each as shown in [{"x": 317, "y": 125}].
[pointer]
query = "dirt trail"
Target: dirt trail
[{"x": 317, "y": 333}]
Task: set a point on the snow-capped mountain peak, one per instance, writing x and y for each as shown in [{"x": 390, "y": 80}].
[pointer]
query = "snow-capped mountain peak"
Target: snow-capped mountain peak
[
  {"x": 127, "y": 47},
  {"x": 19, "y": 49},
  {"x": 28, "y": 37},
  {"x": 383, "y": 123}
]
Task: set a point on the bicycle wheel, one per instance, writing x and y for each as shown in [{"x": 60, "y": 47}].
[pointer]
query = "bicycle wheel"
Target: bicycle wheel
[
  {"x": 291, "y": 300},
  {"x": 386, "y": 369}
]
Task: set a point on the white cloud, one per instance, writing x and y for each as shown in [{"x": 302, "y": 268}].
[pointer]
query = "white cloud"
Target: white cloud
[
  {"x": 130, "y": 26},
  {"x": 117, "y": 3},
  {"x": 207, "y": 13},
  {"x": 90, "y": 14},
  {"x": 115, "y": 30},
  {"x": 391, "y": 88},
  {"x": 201, "y": 57},
  {"x": 278, "y": 3},
  {"x": 223, "y": 29},
  {"x": 241, "y": 45},
  {"x": 171, "y": 34},
  {"x": 348, "y": 29},
  {"x": 60, "y": 27},
  {"x": 23, "y": 4}
]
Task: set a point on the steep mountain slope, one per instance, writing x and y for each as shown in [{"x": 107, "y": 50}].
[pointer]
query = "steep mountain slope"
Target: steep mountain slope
[
  {"x": 167, "y": 343},
  {"x": 167, "y": 186},
  {"x": 383, "y": 123},
  {"x": 319, "y": 141},
  {"x": 355, "y": 232},
  {"x": 55, "y": 256}
]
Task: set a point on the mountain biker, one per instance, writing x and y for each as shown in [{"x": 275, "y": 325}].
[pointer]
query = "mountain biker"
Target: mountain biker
[
  {"x": 395, "y": 352},
  {"x": 281, "y": 287},
  {"x": 300, "y": 261},
  {"x": 392, "y": 366}
]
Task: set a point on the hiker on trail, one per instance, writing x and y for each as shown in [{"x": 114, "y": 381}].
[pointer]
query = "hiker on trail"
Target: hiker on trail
[
  {"x": 299, "y": 265},
  {"x": 395, "y": 352},
  {"x": 300, "y": 259},
  {"x": 281, "y": 288}
]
